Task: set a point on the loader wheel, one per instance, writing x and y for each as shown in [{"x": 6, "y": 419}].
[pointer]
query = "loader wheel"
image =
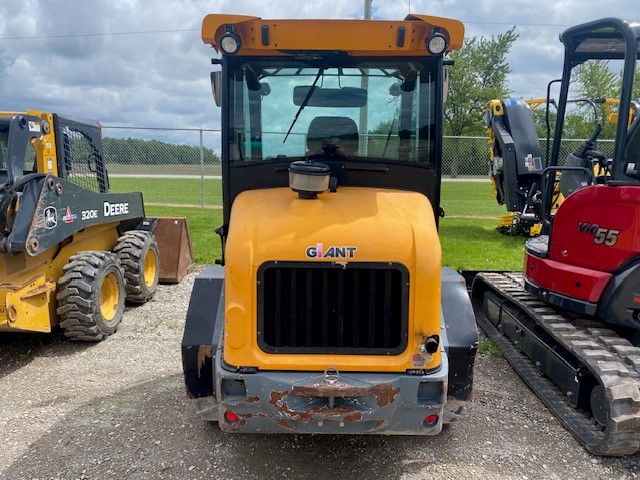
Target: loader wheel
[
  {"x": 137, "y": 252},
  {"x": 91, "y": 296}
]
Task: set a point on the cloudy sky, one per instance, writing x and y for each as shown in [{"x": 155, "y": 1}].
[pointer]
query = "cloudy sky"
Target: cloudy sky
[{"x": 142, "y": 63}]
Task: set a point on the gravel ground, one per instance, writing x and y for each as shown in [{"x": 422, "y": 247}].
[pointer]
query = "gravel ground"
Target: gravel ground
[{"x": 117, "y": 409}]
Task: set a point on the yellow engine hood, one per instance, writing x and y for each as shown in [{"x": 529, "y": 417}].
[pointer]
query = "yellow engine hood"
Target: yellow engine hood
[{"x": 351, "y": 225}]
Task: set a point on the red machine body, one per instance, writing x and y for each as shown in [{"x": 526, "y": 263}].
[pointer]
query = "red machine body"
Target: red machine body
[
  {"x": 593, "y": 249},
  {"x": 577, "y": 325}
]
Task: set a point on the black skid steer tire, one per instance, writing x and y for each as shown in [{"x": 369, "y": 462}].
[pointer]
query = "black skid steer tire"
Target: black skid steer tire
[
  {"x": 91, "y": 296},
  {"x": 137, "y": 252}
]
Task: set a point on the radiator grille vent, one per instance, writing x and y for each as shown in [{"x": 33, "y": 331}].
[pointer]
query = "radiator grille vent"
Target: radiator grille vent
[{"x": 327, "y": 308}]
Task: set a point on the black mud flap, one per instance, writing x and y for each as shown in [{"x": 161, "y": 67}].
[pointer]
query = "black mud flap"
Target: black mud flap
[
  {"x": 204, "y": 317},
  {"x": 461, "y": 334}
]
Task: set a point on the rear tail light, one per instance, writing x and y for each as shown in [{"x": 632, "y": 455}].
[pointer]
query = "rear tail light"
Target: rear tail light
[
  {"x": 429, "y": 420},
  {"x": 231, "y": 417}
]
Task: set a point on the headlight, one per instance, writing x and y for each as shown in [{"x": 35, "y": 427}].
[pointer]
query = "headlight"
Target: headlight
[
  {"x": 230, "y": 43},
  {"x": 436, "y": 43}
]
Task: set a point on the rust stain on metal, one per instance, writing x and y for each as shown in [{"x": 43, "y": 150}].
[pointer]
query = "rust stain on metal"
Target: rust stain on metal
[
  {"x": 338, "y": 412},
  {"x": 284, "y": 425},
  {"x": 246, "y": 416},
  {"x": 384, "y": 393},
  {"x": 276, "y": 397},
  {"x": 38, "y": 291},
  {"x": 204, "y": 352},
  {"x": 352, "y": 417},
  {"x": 188, "y": 391}
]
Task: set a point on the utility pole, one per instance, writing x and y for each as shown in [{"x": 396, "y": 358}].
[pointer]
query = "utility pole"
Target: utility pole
[{"x": 364, "y": 83}]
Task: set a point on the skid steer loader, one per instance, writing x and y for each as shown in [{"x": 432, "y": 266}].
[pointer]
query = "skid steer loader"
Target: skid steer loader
[
  {"x": 331, "y": 312},
  {"x": 71, "y": 253}
]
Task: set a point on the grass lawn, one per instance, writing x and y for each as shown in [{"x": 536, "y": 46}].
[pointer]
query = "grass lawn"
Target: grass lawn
[
  {"x": 470, "y": 199},
  {"x": 467, "y": 244},
  {"x": 164, "y": 169},
  {"x": 466, "y": 199},
  {"x": 172, "y": 191},
  {"x": 476, "y": 245},
  {"x": 202, "y": 222}
]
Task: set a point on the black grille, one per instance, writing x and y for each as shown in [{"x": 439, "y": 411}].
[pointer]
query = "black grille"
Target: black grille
[{"x": 329, "y": 308}]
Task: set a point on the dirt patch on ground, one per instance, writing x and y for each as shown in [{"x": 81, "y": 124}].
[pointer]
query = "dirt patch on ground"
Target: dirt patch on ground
[{"x": 117, "y": 409}]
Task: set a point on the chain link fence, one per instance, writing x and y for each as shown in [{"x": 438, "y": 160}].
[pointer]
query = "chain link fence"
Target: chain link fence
[
  {"x": 181, "y": 167},
  {"x": 175, "y": 167}
]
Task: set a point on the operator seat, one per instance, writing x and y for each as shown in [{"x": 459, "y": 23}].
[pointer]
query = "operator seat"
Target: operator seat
[{"x": 342, "y": 128}]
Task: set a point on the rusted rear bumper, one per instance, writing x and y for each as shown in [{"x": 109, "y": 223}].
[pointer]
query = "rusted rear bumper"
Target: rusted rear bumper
[{"x": 303, "y": 402}]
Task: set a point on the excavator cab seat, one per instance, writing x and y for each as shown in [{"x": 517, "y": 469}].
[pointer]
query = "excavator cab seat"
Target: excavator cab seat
[{"x": 332, "y": 136}]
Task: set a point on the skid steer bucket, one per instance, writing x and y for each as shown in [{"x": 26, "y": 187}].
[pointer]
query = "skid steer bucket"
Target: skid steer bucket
[{"x": 174, "y": 247}]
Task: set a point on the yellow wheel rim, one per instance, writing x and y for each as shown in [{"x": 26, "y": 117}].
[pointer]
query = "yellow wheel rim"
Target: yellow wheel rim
[
  {"x": 109, "y": 296},
  {"x": 150, "y": 268}
]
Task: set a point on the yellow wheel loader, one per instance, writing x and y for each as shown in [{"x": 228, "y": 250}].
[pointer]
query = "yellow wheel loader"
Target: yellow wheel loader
[
  {"x": 71, "y": 253},
  {"x": 330, "y": 311}
]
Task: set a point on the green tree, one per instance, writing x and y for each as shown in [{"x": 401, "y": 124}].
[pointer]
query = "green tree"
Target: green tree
[
  {"x": 384, "y": 127},
  {"x": 593, "y": 80},
  {"x": 479, "y": 74},
  {"x": 153, "y": 152}
]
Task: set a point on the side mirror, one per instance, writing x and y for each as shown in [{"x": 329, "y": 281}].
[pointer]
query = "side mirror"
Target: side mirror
[{"x": 216, "y": 87}]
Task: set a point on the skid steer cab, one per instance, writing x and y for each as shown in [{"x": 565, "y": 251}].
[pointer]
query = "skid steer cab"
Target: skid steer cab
[
  {"x": 71, "y": 253},
  {"x": 330, "y": 312}
]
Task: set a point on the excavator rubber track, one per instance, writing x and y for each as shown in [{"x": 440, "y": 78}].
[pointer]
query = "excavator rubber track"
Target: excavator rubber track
[{"x": 611, "y": 424}]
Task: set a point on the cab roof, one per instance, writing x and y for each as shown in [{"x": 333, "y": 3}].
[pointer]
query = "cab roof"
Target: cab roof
[{"x": 261, "y": 37}]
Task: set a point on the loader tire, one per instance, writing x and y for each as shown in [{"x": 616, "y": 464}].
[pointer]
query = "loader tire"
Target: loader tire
[
  {"x": 91, "y": 296},
  {"x": 137, "y": 252}
]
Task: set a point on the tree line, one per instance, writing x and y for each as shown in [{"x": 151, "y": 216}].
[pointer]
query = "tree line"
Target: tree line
[
  {"x": 150, "y": 152},
  {"x": 480, "y": 72}
]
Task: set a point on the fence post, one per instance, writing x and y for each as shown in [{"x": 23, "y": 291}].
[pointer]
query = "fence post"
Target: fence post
[{"x": 201, "y": 171}]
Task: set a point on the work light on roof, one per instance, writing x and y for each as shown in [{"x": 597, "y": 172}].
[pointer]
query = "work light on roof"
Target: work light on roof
[
  {"x": 230, "y": 43},
  {"x": 436, "y": 43}
]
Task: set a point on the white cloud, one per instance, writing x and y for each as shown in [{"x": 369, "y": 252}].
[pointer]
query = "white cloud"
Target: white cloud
[{"x": 162, "y": 79}]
